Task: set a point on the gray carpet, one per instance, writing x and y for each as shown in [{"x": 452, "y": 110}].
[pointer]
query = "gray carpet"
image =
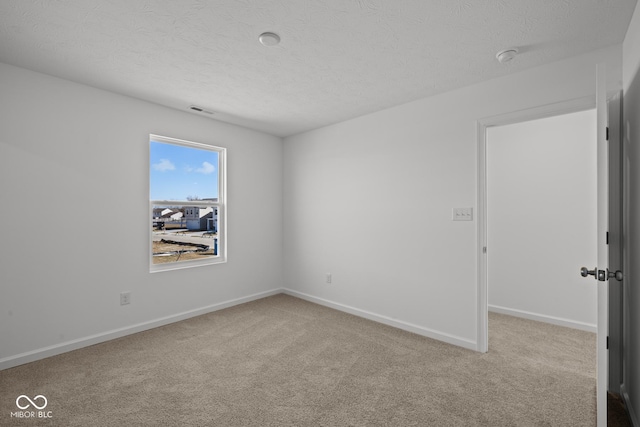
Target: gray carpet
[{"x": 281, "y": 361}]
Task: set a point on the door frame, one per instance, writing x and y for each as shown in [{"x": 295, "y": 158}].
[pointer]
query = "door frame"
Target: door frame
[{"x": 540, "y": 112}]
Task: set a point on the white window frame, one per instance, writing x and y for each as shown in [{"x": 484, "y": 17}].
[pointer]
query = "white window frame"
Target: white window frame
[{"x": 220, "y": 204}]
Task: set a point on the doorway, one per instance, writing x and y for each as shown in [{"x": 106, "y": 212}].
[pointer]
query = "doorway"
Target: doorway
[
  {"x": 538, "y": 222},
  {"x": 609, "y": 325},
  {"x": 540, "y": 215},
  {"x": 546, "y": 111}
]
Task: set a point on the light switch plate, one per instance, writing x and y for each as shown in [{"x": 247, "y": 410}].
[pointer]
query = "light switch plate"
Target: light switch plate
[{"x": 462, "y": 214}]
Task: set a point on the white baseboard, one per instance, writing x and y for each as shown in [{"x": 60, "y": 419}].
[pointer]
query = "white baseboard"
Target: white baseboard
[
  {"x": 41, "y": 353},
  {"x": 429, "y": 333},
  {"x": 627, "y": 401},
  {"x": 544, "y": 318}
]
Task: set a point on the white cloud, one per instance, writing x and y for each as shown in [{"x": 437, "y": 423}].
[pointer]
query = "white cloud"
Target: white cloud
[
  {"x": 164, "y": 165},
  {"x": 206, "y": 168}
]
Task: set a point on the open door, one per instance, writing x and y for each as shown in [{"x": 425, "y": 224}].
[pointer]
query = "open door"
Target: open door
[
  {"x": 601, "y": 273},
  {"x": 603, "y": 249}
]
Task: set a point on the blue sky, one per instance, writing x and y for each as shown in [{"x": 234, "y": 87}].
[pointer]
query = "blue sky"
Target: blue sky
[{"x": 178, "y": 172}]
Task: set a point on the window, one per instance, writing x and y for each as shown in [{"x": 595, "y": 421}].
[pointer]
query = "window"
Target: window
[{"x": 186, "y": 204}]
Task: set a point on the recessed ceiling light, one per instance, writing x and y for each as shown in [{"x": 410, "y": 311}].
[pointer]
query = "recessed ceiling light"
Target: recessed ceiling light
[
  {"x": 269, "y": 39},
  {"x": 506, "y": 55}
]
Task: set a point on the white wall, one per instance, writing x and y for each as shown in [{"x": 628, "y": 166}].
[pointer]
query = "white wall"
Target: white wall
[
  {"x": 541, "y": 176},
  {"x": 75, "y": 152},
  {"x": 631, "y": 170},
  {"x": 370, "y": 200}
]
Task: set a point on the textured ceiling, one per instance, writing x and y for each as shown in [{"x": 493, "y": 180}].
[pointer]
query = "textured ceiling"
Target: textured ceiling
[{"x": 338, "y": 59}]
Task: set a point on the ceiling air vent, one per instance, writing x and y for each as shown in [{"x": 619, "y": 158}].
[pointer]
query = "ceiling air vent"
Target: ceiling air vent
[{"x": 200, "y": 109}]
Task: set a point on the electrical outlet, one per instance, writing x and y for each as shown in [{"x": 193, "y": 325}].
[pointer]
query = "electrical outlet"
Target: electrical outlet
[
  {"x": 125, "y": 298},
  {"x": 328, "y": 277}
]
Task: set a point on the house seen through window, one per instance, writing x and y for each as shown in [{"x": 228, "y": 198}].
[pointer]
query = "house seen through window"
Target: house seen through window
[{"x": 187, "y": 203}]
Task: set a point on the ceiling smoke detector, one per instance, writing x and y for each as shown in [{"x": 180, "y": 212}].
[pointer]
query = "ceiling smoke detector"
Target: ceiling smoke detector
[
  {"x": 506, "y": 55},
  {"x": 269, "y": 39}
]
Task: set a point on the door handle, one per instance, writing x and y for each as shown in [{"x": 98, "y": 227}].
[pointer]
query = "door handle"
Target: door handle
[
  {"x": 584, "y": 272},
  {"x": 599, "y": 274},
  {"x": 617, "y": 275}
]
